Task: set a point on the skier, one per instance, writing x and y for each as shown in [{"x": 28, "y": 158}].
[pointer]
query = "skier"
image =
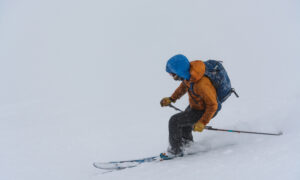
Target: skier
[{"x": 203, "y": 103}]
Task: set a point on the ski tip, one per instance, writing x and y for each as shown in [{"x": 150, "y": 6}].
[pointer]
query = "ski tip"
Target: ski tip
[{"x": 95, "y": 165}]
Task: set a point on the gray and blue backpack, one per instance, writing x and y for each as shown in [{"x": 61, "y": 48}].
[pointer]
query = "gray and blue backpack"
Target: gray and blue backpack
[
  {"x": 217, "y": 74},
  {"x": 215, "y": 71}
]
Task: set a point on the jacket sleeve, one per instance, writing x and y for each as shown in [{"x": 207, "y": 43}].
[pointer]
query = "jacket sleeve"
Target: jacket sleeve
[
  {"x": 209, "y": 96},
  {"x": 179, "y": 92}
]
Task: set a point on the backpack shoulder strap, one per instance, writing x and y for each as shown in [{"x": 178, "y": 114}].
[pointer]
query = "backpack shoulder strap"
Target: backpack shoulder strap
[{"x": 192, "y": 90}]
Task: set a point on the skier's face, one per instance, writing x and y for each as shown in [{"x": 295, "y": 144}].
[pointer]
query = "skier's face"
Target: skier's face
[{"x": 176, "y": 77}]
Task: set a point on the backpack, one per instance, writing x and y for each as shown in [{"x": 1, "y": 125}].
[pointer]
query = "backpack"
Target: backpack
[{"x": 217, "y": 74}]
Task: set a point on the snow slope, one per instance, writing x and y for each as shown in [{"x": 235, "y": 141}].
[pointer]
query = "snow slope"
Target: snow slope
[{"x": 82, "y": 80}]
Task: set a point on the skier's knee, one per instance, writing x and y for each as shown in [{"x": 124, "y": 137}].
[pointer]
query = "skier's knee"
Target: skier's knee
[{"x": 173, "y": 121}]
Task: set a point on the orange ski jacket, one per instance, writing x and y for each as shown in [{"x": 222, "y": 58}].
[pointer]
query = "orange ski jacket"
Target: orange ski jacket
[{"x": 206, "y": 95}]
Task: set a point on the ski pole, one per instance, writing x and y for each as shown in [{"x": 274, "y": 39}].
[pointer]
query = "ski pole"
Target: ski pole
[
  {"x": 177, "y": 109},
  {"x": 238, "y": 131},
  {"x": 229, "y": 130}
]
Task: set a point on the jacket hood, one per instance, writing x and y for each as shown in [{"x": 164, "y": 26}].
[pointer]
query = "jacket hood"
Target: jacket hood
[
  {"x": 180, "y": 66},
  {"x": 197, "y": 70}
]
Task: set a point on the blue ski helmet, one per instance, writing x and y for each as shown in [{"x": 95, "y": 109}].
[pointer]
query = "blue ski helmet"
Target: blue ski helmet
[{"x": 180, "y": 66}]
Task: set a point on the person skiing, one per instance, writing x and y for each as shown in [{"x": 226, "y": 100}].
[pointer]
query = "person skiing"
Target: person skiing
[{"x": 203, "y": 102}]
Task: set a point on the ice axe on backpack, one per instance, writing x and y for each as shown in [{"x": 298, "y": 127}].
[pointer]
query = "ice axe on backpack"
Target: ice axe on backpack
[{"x": 229, "y": 130}]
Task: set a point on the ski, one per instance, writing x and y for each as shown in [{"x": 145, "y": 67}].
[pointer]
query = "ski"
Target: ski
[{"x": 119, "y": 165}]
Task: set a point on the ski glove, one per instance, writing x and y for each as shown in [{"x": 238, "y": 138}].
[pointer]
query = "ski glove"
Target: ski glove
[
  {"x": 166, "y": 101},
  {"x": 199, "y": 126}
]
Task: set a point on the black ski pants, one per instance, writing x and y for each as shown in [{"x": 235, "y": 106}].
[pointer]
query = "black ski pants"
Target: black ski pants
[{"x": 181, "y": 126}]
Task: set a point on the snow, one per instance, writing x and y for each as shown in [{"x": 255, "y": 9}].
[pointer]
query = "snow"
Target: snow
[{"x": 82, "y": 80}]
